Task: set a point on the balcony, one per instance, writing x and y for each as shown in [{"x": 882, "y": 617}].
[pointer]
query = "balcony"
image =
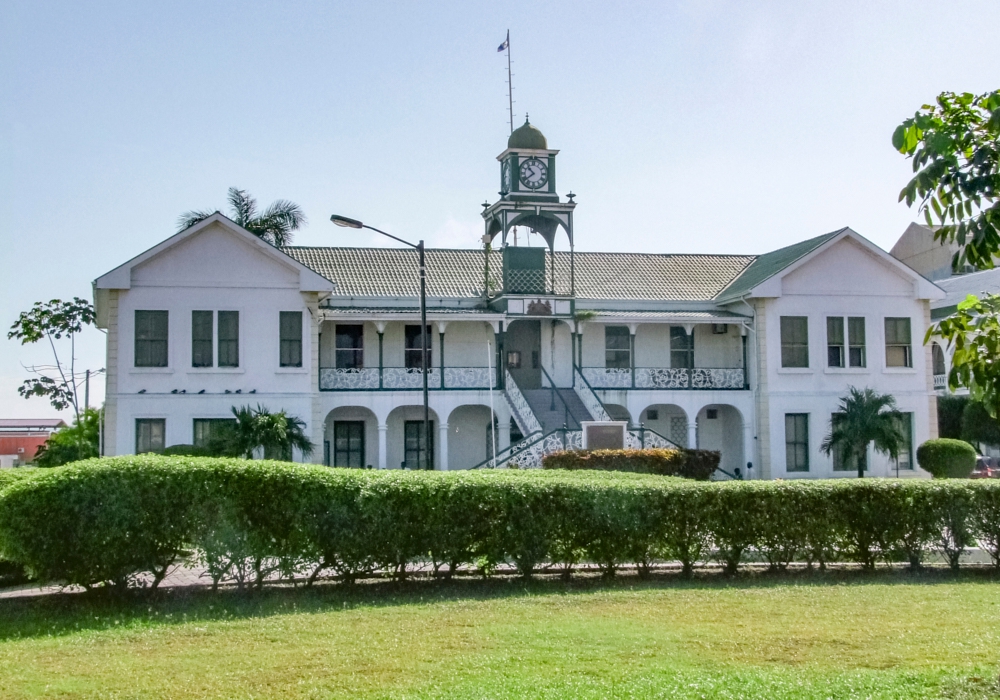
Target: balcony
[
  {"x": 671, "y": 378},
  {"x": 940, "y": 382},
  {"x": 404, "y": 378}
]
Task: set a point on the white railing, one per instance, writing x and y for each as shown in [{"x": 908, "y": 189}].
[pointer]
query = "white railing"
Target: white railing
[
  {"x": 523, "y": 414},
  {"x": 590, "y": 401},
  {"x": 608, "y": 377},
  {"x": 469, "y": 378},
  {"x": 409, "y": 378},
  {"x": 342, "y": 379},
  {"x": 940, "y": 382}
]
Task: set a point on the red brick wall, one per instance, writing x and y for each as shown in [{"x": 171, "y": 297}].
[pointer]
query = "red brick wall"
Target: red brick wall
[{"x": 30, "y": 443}]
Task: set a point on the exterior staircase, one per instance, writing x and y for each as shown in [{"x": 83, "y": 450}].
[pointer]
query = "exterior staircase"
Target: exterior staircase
[{"x": 557, "y": 408}]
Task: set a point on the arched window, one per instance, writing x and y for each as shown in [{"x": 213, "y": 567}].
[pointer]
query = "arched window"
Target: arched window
[{"x": 937, "y": 355}]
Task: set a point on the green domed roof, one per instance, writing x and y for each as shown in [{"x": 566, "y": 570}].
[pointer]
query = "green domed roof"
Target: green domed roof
[{"x": 527, "y": 136}]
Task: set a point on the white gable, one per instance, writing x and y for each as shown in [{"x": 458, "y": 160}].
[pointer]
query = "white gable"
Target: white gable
[
  {"x": 214, "y": 258},
  {"x": 847, "y": 268}
]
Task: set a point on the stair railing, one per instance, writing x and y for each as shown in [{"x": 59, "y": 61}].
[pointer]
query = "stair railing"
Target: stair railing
[
  {"x": 588, "y": 396},
  {"x": 567, "y": 414},
  {"x": 523, "y": 414}
]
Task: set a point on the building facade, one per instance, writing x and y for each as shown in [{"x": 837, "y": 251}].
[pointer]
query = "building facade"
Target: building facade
[{"x": 748, "y": 355}]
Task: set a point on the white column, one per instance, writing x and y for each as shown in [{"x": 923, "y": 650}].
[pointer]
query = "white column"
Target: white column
[
  {"x": 693, "y": 434},
  {"x": 383, "y": 442},
  {"x": 748, "y": 454},
  {"x": 442, "y": 446},
  {"x": 503, "y": 434}
]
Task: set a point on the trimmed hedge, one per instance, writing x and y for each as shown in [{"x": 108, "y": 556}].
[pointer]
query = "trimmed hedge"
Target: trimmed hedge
[
  {"x": 690, "y": 464},
  {"x": 945, "y": 458},
  {"x": 125, "y": 521}
]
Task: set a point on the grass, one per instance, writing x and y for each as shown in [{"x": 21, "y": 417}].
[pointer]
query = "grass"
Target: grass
[{"x": 834, "y": 635}]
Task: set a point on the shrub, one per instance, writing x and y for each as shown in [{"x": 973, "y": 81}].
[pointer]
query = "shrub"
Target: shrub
[
  {"x": 947, "y": 458},
  {"x": 692, "y": 464},
  {"x": 186, "y": 451},
  {"x": 125, "y": 521}
]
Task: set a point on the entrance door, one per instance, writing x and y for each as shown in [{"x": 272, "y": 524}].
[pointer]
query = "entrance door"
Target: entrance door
[{"x": 523, "y": 346}]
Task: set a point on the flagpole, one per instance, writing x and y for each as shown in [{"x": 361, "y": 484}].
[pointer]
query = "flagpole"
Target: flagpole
[{"x": 510, "y": 86}]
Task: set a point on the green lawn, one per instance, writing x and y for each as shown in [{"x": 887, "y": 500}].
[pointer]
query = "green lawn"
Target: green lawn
[{"x": 836, "y": 635}]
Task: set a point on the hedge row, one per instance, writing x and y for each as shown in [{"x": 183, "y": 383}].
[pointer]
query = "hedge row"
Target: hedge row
[
  {"x": 120, "y": 521},
  {"x": 690, "y": 464}
]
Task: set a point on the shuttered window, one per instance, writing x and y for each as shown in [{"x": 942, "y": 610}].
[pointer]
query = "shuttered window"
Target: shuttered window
[
  {"x": 291, "y": 338},
  {"x": 201, "y": 338},
  {"x": 794, "y": 341},
  {"x": 150, "y": 338},
  {"x": 898, "y": 349},
  {"x": 229, "y": 339}
]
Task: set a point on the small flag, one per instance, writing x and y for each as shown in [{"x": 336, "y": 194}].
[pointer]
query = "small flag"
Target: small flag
[{"x": 505, "y": 44}]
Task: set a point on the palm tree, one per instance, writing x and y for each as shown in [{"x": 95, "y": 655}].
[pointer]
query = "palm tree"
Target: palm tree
[
  {"x": 276, "y": 433},
  {"x": 275, "y": 224},
  {"x": 865, "y": 416}
]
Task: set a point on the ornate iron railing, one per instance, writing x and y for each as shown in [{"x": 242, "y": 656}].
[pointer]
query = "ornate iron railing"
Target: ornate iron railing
[
  {"x": 523, "y": 415},
  {"x": 666, "y": 378},
  {"x": 940, "y": 381},
  {"x": 396, "y": 378},
  {"x": 590, "y": 400}
]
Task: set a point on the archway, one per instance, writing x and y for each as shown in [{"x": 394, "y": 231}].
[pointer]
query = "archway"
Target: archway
[
  {"x": 720, "y": 428},
  {"x": 405, "y": 443},
  {"x": 471, "y": 436},
  {"x": 350, "y": 437},
  {"x": 669, "y": 420}
]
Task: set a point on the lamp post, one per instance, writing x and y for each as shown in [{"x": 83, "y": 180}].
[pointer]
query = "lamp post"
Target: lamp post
[{"x": 424, "y": 365}]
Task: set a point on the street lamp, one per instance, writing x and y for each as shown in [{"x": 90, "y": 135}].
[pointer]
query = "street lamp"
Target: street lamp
[{"x": 354, "y": 223}]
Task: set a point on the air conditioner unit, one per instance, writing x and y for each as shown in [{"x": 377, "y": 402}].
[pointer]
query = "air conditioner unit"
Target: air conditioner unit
[
  {"x": 604, "y": 435},
  {"x": 20, "y": 450}
]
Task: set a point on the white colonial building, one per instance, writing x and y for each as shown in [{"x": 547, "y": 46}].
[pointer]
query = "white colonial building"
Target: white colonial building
[{"x": 744, "y": 354}]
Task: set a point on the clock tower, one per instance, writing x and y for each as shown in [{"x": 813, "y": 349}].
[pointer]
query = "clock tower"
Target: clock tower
[{"x": 528, "y": 198}]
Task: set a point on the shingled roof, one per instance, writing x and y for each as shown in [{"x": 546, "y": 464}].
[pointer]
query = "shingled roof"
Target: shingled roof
[{"x": 454, "y": 273}]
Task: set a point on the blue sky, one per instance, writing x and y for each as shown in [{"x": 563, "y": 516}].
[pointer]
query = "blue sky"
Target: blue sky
[{"x": 715, "y": 127}]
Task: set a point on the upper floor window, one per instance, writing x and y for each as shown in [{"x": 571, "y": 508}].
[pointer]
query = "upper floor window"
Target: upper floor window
[
  {"x": 201, "y": 338},
  {"x": 413, "y": 357},
  {"x": 846, "y": 350},
  {"x": 898, "y": 348},
  {"x": 681, "y": 348},
  {"x": 617, "y": 347},
  {"x": 151, "y": 338},
  {"x": 794, "y": 341},
  {"x": 350, "y": 346},
  {"x": 229, "y": 339},
  {"x": 290, "y": 329}
]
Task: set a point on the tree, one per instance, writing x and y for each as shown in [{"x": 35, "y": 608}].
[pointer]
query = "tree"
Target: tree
[
  {"x": 72, "y": 443},
  {"x": 978, "y": 426},
  {"x": 865, "y": 416},
  {"x": 275, "y": 224},
  {"x": 257, "y": 428},
  {"x": 974, "y": 333},
  {"x": 955, "y": 148},
  {"x": 52, "y": 321}
]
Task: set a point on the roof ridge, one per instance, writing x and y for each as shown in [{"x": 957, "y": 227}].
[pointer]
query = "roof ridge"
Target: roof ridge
[{"x": 558, "y": 252}]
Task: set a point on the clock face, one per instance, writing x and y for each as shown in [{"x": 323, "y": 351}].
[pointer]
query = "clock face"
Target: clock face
[
  {"x": 506, "y": 176},
  {"x": 534, "y": 173}
]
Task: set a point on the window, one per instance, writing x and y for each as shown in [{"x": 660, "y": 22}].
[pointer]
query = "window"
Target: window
[
  {"x": 711, "y": 414},
  {"x": 412, "y": 353},
  {"x": 514, "y": 359},
  {"x": 905, "y": 425},
  {"x": 720, "y": 328},
  {"x": 290, "y": 332},
  {"x": 681, "y": 348},
  {"x": 150, "y": 338},
  {"x": 617, "y": 347},
  {"x": 898, "y": 352},
  {"x": 835, "y": 350},
  {"x": 796, "y": 442},
  {"x": 201, "y": 338},
  {"x": 350, "y": 346},
  {"x": 229, "y": 339},
  {"x": 794, "y": 341},
  {"x": 652, "y": 414},
  {"x": 349, "y": 444},
  {"x": 149, "y": 434},
  {"x": 415, "y": 444},
  {"x": 856, "y": 341},
  {"x": 937, "y": 357},
  {"x": 840, "y": 463},
  {"x": 208, "y": 429}
]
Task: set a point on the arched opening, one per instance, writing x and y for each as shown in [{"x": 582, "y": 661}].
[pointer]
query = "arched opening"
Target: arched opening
[
  {"x": 669, "y": 420},
  {"x": 406, "y": 445},
  {"x": 937, "y": 357},
  {"x": 472, "y": 435},
  {"x": 720, "y": 428},
  {"x": 350, "y": 437},
  {"x": 618, "y": 412}
]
